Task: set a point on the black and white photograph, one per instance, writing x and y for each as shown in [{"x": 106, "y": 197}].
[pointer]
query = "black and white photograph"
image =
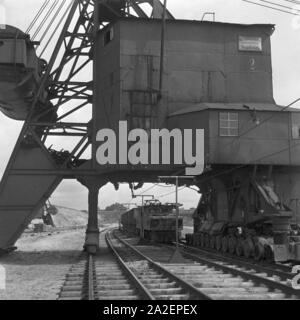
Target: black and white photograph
[{"x": 150, "y": 153}]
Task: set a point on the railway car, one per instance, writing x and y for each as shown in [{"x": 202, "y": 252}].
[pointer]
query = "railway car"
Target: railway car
[
  {"x": 154, "y": 221},
  {"x": 128, "y": 221},
  {"x": 20, "y": 74}
]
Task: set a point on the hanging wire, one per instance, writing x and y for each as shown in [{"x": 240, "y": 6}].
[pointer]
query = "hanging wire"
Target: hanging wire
[
  {"x": 56, "y": 28},
  {"x": 152, "y": 187},
  {"x": 279, "y": 5},
  {"x": 289, "y": 148},
  {"x": 180, "y": 189},
  {"x": 45, "y": 19},
  {"x": 292, "y": 1},
  {"x": 56, "y": 14},
  {"x": 43, "y": 7},
  {"x": 260, "y": 124},
  {"x": 273, "y": 8},
  {"x": 170, "y": 193}
]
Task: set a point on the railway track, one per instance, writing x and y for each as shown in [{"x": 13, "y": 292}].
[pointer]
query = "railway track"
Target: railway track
[
  {"x": 127, "y": 275},
  {"x": 128, "y": 271},
  {"x": 104, "y": 276},
  {"x": 283, "y": 271},
  {"x": 220, "y": 278},
  {"x": 284, "y": 267},
  {"x": 158, "y": 280},
  {"x": 231, "y": 280}
]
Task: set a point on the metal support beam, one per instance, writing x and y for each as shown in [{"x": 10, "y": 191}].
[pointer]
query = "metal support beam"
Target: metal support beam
[
  {"x": 176, "y": 257},
  {"x": 92, "y": 233}
]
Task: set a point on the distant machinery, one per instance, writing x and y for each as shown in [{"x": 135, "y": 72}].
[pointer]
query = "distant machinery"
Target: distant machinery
[
  {"x": 154, "y": 221},
  {"x": 20, "y": 71},
  {"x": 176, "y": 74}
]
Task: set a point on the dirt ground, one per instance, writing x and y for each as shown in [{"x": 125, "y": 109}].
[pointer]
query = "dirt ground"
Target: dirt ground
[{"x": 37, "y": 270}]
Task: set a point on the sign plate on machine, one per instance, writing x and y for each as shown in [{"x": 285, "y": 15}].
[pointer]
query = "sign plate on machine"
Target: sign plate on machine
[{"x": 250, "y": 44}]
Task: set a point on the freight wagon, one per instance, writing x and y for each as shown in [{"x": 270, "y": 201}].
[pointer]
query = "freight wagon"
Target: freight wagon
[{"x": 154, "y": 221}]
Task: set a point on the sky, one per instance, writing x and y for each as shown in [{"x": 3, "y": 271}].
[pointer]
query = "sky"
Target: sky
[{"x": 286, "y": 72}]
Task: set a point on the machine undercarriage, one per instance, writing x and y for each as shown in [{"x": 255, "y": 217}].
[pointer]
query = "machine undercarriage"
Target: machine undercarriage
[{"x": 246, "y": 212}]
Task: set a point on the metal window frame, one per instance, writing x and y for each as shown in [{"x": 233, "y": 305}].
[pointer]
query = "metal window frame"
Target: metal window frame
[{"x": 228, "y": 127}]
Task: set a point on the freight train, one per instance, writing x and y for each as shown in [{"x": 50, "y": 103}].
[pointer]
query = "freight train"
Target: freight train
[{"x": 153, "y": 221}]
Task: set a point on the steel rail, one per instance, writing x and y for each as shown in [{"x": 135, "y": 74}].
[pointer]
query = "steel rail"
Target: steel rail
[
  {"x": 91, "y": 275},
  {"x": 91, "y": 278},
  {"x": 195, "y": 292},
  {"x": 243, "y": 262},
  {"x": 272, "y": 284},
  {"x": 142, "y": 290}
]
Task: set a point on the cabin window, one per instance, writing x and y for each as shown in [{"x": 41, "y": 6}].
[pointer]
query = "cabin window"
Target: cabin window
[
  {"x": 296, "y": 125},
  {"x": 229, "y": 124},
  {"x": 108, "y": 36}
]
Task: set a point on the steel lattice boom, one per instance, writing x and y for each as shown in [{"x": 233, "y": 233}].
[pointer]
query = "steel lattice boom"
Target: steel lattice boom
[{"x": 36, "y": 169}]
